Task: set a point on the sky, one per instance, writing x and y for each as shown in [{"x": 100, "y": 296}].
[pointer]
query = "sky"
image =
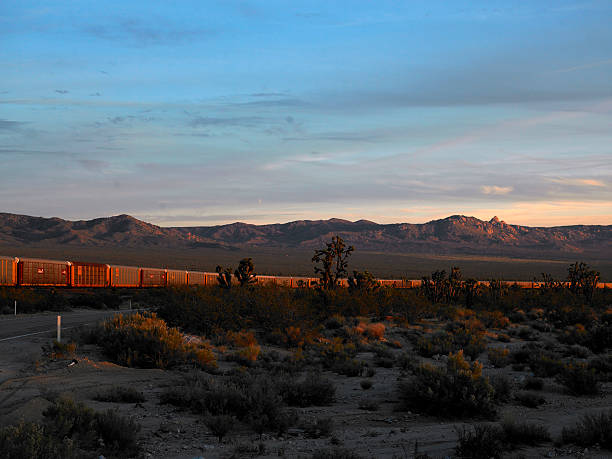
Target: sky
[{"x": 211, "y": 112}]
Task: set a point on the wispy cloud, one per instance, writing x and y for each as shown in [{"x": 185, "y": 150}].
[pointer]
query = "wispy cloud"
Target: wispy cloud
[
  {"x": 8, "y": 125},
  {"x": 578, "y": 182},
  {"x": 589, "y": 65},
  {"x": 494, "y": 189}
]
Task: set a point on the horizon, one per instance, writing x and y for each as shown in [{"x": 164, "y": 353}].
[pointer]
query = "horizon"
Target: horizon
[{"x": 206, "y": 113}]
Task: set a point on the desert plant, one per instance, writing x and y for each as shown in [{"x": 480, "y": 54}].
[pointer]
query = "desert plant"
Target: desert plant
[
  {"x": 333, "y": 260},
  {"x": 458, "y": 390},
  {"x": 592, "y": 428},
  {"x": 365, "y": 384},
  {"x": 319, "y": 427},
  {"x": 523, "y": 433},
  {"x": 480, "y": 442},
  {"x": 499, "y": 357},
  {"x": 362, "y": 281},
  {"x": 29, "y": 440},
  {"x": 533, "y": 383},
  {"x": 118, "y": 432},
  {"x": 224, "y": 276},
  {"x": 219, "y": 425},
  {"x": 502, "y": 386},
  {"x": 368, "y": 405},
  {"x": 246, "y": 272},
  {"x": 579, "y": 379},
  {"x": 314, "y": 389},
  {"x": 529, "y": 399}
]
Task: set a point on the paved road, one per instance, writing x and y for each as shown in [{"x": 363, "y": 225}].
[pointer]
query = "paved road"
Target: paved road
[{"x": 22, "y": 326}]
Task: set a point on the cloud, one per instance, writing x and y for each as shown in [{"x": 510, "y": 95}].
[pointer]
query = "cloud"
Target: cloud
[
  {"x": 62, "y": 91},
  {"x": 8, "y": 125},
  {"x": 93, "y": 165},
  {"x": 134, "y": 32},
  {"x": 243, "y": 121},
  {"x": 578, "y": 182},
  {"x": 589, "y": 65},
  {"x": 494, "y": 189}
]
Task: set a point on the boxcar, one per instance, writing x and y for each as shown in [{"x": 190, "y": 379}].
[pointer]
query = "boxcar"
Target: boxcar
[
  {"x": 89, "y": 274},
  {"x": 124, "y": 276},
  {"x": 33, "y": 271},
  {"x": 152, "y": 277},
  {"x": 196, "y": 278},
  {"x": 212, "y": 278},
  {"x": 266, "y": 280},
  {"x": 283, "y": 281},
  {"x": 176, "y": 277},
  {"x": 8, "y": 271}
]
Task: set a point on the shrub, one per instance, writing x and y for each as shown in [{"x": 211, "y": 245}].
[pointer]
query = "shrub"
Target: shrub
[
  {"x": 592, "y": 428},
  {"x": 143, "y": 340},
  {"x": 314, "y": 390},
  {"x": 350, "y": 368},
  {"x": 502, "y": 387},
  {"x": 480, "y": 442},
  {"x": 546, "y": 365},
  {"x": 365, "y": 384},
  {"x": 439, "y": 343},
  {"x": 515, "y": 433},
  {"x": 533, "y": 383},
  {"x": 499, "y": 357},
  {"x": 375, "y": 330},
  {"x": 579, "y": 379},
  {"x": 320, "y": 427},
  {"x": 219, "y": 425},
  {"x": 457, "y": 390},
  {"x": 529, "y": 399},
  {"x": 118, "y": 432},
  {"x": 61, "y": 350},
  {"x": 30, "y": 440},
  {"x": 120, "y": 394}
]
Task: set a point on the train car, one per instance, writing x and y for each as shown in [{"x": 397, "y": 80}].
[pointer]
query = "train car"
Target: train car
[
  {"x": 196, "y": 278},
  {"x": 176, "y": 277},
  {"x": 89, "y": 274},
  {"x": 8, "y": 270},
  {"x": 124, "y": 276},
  {"x": 343, "y": 283},
  {"x": 300, "y": 282},
  {"x": 212, "y": 278},
  {"x": 283, "y": 281},
  {"x": 43, "y": 273},
  {"x": 266, "y": 280},
  {"x": 393, "y": 283},
  {"x": 153, "y": 277}
]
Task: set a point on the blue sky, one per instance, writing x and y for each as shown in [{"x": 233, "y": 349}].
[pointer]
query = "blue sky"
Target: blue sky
[{"x": 187, "y": 113}]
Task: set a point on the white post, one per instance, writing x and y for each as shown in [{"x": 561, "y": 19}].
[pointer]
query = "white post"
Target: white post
[
  {"x": 59, "y": 329},
  {"x": 15, "y": 307}
]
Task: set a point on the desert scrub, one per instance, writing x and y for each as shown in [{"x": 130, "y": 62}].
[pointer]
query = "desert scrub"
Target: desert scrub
[
  {"x": 498, "y": 357},
  {"x": 480, "y": 442},
  {"x": 593, "y": 428},
  {"x": 523, "y": 433},
  {"x": 145, "y": 341},
  {"x": 533, "y": 383},
  {"x": 579, "y": 379},
  {"x": 313, "y": 390},
  {"x": 29, "y": 440},
  {"x": 529, "y": 399},
  {"x": 317, "y": 428},
  {"x": 457, "y": 390}
]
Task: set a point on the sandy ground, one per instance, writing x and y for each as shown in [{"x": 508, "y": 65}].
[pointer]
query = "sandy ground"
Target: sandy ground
[{"x": 28, "y": 380}]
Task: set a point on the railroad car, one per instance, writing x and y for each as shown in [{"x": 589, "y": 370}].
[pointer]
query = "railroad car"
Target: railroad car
[
  {"x": 196, "y": 278},
  {"x": 266, "y": 280},
  {"x": 124, "y": 276},
  {"x": 283, "y": 281},
  {"x": 39, "y": 272},
  {"x": 8, "y": 270},
  {"x": 152, "y": 277},
  {"x": 176, "y": 277},
  {"x": 89, "y": 274}
]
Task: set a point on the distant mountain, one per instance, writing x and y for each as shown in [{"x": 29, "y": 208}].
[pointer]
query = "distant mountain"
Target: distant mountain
[{"x": 454, "y": 234}]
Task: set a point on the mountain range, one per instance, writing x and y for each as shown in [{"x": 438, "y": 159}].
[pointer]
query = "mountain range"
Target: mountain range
[{"x": 455, "y": 234}]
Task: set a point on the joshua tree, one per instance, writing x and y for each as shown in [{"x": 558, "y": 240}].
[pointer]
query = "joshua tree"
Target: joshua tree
[
  {"x": 582, "y": 279},
  {"x": 334, "y": 262},
  {"x": 245, "y": 272},
  {"x": 363, "y": 281},
  {"x": 225, "y": 276}
]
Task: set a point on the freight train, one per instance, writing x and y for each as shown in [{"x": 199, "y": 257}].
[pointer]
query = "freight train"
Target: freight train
[{"x": 55, "y": 273}]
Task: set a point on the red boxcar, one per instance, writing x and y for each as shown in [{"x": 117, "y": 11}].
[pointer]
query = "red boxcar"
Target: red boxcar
[
  {"x": 152, "y": 277},
  {"x": 33, "y": 271},
  {"x": 124, "y": 276},
  {"x": 89, "y": 274},
  {"x": 8, "y": 271},
  {"x": 176, "y": 277}
]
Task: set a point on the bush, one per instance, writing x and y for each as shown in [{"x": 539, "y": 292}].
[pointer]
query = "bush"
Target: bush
[
  {"x": 592, "y": 428},
  {"x": 375, "y": 330},
  {"x": 368, "y": 405},
  {"x": 120, "y": 394},
  {"x": 533, "y": 383},
  {"x": 459, "y": 390},
  {"x": 118, "y": 432},
  {"x": 579, "y": 379},
  {"x": 481, "y": 442},
  {"x": 30, "y": 440},
  {"x": 219, "y": 425},
  {"x": 529, "y": 399},
  {"x": 314, "y": 390},
  {"x": 502, "y": 387},
  {"x": 365, "y": 384},
  {"x": 145, "y": 341},
  {"x": 320, "y": 427},
  {"x": 499, "y": 357},
  {"x": 515, "y": 433}
]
